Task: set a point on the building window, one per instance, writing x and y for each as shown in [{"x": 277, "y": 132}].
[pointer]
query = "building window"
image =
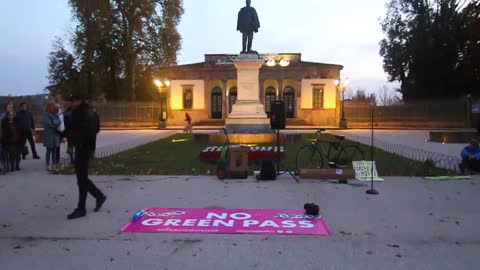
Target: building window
[
  {"x": 216, "y": 103},
  {"x": 289, "y": 101},
  {"x": 318, "y": 97},
  {"x": 188, "y": 97},
  {"x": 232, "y": 98},
  {"x": 270, "y": 97}
]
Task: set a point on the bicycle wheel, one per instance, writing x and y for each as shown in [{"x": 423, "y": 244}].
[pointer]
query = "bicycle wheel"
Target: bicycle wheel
[
  {"x": 347, "y": 154},
  {"x": 308, "y": 157}
]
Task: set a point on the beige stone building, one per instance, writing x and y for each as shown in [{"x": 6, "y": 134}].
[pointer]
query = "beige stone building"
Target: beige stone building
[{"x": 207, "y": 90}]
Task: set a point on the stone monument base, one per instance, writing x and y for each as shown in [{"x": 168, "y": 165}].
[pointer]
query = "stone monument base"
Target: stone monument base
[
  {"x": 248, "y": 125},
  {"x": 248, "y": 114}
]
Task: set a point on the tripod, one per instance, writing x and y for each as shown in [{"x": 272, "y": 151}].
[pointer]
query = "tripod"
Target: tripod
[{"x": 279, "y": 162}]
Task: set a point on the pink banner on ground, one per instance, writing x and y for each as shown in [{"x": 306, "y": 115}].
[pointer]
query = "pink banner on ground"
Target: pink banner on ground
[{"x": 227, "y": 221}]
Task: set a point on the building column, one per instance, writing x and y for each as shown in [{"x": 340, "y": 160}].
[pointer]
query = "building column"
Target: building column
[
  {"x": 224, "y": 99},
  {"x": 298, "y": 98},
  {"x": 280, "y": 90},
  {"x": 207, "y": 98},
  {"x": 262, "y": 92}
]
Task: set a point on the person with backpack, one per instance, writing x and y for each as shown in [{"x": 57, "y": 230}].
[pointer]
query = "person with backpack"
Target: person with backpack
[{"x": 83, "y": 126}]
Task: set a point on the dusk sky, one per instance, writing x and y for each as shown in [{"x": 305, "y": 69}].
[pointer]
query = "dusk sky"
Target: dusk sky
[{"x": 339, "y": 32}]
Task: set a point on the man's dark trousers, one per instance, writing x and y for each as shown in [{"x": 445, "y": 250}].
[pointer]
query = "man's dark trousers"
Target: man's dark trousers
[
  {"x": 85, "y": 185},
  {"x": 29, "y": 136}
]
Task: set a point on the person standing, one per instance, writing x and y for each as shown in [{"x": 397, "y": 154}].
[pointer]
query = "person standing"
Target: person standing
[
  {"x": 83, "y": 131},
  {"x": 12, "y": 140},
  {"x": 188, "y": 127},
  {"x": 51, "y": 136},
  {"x": 3, "y": 154},
  {"x": 27, "y": 126},
  {"x": 61, "y": 131},
  {"x": 97, "y": 130},
  {"x": 67, "y": 134}
]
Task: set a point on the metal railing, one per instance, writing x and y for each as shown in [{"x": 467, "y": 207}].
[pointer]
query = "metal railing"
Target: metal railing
[
  {"x": 440, "y": 160},
  {"x": 419, "y": 111},
  {"x": 445, "y": 111}
]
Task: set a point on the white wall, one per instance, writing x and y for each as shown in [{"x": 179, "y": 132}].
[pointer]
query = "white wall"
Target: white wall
[
  {"x": 176, "y": 94},
  {"x": 329, "y": 96}
]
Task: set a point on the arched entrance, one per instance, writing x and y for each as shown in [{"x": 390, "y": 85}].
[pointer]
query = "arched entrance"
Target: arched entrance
[
  {"x": 289, "y": 99},
  {"x": 270, "y": 97},
  {"x": 232, "y": 98},
  {"x": 216, "y": 103}
]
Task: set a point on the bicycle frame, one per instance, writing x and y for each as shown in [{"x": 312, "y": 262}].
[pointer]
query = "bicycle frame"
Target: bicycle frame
[{"x": 331, "y": 146}]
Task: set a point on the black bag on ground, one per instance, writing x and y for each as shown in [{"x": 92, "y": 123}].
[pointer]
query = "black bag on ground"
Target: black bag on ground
[
  {"x": 267, "y": 171},
  {"x": 25, "y": 151},
  {"x": 311, "y": 209}
]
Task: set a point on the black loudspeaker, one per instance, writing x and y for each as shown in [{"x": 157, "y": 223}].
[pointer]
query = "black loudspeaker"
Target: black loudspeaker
[{"x": 278, "y": 116}]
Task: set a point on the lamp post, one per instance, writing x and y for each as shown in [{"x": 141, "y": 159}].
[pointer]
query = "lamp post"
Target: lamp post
[
  {"x": 342, "y": 86},
  {"x": 162, "y": 87}
]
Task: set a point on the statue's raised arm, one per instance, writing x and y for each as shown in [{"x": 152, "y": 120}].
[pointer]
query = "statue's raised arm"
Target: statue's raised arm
[{"x": 248, "y": 23}]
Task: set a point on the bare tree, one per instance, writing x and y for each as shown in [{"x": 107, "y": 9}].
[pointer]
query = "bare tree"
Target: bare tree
[{"x": 387, "y": 96}]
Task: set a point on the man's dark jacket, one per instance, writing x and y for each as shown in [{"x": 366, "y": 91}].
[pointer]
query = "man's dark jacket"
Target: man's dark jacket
[
  {"x": 83, "y": 127},
  {"x": 248, "y": 21},
  {"x": 25, "y": 121}
]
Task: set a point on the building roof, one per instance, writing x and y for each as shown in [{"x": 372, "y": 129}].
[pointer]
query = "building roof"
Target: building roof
[{"x": 226, "y": 61}]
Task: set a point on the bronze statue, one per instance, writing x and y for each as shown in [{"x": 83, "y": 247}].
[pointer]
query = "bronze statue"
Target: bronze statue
[{"x": 247, "y": 24}]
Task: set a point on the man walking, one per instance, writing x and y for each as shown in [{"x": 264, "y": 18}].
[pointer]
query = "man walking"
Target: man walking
[
  {"x": 27, "y": 126},
  {"x": 83, "y": 132}
]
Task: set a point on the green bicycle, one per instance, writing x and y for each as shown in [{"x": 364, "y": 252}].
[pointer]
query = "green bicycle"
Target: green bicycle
[{"x": 332, "y": 154}]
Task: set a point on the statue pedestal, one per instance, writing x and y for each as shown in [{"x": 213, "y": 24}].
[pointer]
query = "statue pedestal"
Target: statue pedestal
[{"x": 248, "y": 113}]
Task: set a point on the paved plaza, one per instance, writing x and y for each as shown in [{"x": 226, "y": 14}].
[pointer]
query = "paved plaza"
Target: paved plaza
[
  {"x": 411, "y": 138},
  {"x": 412, "y": 224}
]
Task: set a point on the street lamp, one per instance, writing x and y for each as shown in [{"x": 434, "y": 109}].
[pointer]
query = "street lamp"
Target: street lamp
[
  {"x": 342, "y": 86},
  {"x": 162, "y": 87}
]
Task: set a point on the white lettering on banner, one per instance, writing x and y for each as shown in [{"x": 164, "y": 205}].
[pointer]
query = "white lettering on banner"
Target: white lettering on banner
[
  {"x": 212, "y": 215},
  {"x": 172, "y": 222},
  {"x": 238, "y": 216},
  {"x": 176, "y": 213},
  {"x": 217, "y": 223},
  {"x": 189, "y": 222},
  {"x": 302, "y": 216},
  {"x": 288, "y": 224},
  {"x": 247, "y": 223},
  {"x": 306, "y": 224},
  {"x": 152, "y": 222},
  {"x": 204, "y": 223},
  {"x": 269, "y": 223}
]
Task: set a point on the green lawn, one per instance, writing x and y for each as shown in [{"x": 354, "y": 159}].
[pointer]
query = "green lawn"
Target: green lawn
[{"x": 164, "y": 157}]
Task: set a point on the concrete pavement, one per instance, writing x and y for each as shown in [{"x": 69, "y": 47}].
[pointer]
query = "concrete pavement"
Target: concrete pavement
[{"x": 412, "y": 224}]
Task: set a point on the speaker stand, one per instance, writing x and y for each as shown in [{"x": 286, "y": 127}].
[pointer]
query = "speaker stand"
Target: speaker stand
[
  {"x": 372, "y": 191},
  {"x": 280, "y": 163}
]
